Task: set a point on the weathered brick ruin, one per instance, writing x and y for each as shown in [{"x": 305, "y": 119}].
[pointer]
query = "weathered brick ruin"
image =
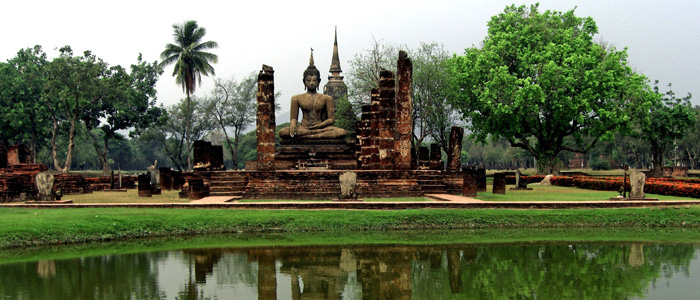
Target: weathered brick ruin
[
  {"x": 18, "y": 172},
  {"x": 380, "y": 154},
  {"x": 208, "y": 157}
]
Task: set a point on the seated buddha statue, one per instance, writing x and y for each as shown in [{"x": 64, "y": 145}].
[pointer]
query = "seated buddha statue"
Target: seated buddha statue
[{"x": 318, "y": 111}]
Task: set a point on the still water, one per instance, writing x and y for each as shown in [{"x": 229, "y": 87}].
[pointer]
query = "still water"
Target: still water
[{"x": 541, "y": 270}]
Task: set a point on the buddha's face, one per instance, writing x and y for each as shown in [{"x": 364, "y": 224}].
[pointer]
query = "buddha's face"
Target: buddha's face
[{"x": 311, "y": 82}]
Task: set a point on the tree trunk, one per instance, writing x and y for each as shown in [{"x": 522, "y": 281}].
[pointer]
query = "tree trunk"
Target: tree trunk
[
  {"x": 657, "y": 157},
  {"x": 234, "y": 153},
  {"x": 71, "y": 142},
  {"x": 187, "y": 132},
  {"x": 102, "y": 155},
  {"x": 547, "y": 165},
  {"x": 54, "y": 147}
]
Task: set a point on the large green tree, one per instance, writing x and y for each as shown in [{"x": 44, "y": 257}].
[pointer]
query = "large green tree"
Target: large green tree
[
  {"x": 690, "y": 143},
  {"x": 24, "y": 117},
  {"x": 191, "y": 59},
  {"x": 664, "y": 123},
  {"x": 128, "y": 102},
  {"x": 541, "y": 82},
  {"x": 75, "y": 85}
]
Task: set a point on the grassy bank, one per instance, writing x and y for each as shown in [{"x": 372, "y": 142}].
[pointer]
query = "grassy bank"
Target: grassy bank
[
  {"x": 472, "y": 237},
  {"x": 20, "y": 227},
  {"x": 560, "y": 193}
]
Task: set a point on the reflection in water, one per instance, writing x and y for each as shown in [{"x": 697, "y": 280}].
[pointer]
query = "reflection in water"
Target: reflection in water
[{"x": 546, "y": 271}]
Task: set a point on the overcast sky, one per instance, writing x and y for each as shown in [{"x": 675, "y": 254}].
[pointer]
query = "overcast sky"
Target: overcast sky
[{"x": 662, "y": 36}]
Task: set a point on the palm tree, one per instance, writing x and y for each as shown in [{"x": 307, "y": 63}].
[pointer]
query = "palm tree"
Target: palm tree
[{"x": 191, "y": 62}]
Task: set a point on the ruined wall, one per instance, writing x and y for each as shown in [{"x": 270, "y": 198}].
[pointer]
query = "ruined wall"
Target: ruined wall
[
  {"x": 404, "y": 111},
  {"x": 266, "y": 126}
]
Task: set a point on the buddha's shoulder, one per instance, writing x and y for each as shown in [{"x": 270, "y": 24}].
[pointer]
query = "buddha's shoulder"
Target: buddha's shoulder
[{"x": 307, "y": 96}]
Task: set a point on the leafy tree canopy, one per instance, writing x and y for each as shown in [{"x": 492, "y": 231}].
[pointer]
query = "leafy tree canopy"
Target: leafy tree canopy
[
  {"x": 667, "y": 120},
  {"x": 542, "y": 83}
]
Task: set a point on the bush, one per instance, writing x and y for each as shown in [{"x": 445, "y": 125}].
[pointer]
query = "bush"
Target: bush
[{"x": 600, "y": 164}]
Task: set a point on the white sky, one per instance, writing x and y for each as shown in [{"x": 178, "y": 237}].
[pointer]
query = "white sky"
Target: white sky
[{"x": 662, "y": 36}]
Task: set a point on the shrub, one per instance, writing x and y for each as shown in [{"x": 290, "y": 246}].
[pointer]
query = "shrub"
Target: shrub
[{"x": 600, "y": 164}]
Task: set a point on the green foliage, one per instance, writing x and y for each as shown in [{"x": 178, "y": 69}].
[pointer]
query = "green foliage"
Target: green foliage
[
  {"x": 189, "y": 55},
  {"x": 345, "y": 115},
  {"x": 689, "y": 145},
  {"x": 24, "y": 115},
  {"x": 667, "y": 120},
  {"x": 543, "y": 84},
  {"x": 75, "y": 85},
  {"x": 171, "y": 133},
  {"x": 128, "y": 101},
  {"x": 599, "y": 164}
]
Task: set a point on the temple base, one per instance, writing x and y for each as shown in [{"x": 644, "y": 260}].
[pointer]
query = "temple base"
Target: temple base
[{"x": 318, "y": 154}]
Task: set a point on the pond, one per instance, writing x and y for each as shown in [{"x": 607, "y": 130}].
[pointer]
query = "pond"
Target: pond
[{"x": 281, "y": 267}]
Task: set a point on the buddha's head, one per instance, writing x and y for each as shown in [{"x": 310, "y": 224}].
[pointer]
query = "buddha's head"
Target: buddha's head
[{"x": 312, "y": 76}]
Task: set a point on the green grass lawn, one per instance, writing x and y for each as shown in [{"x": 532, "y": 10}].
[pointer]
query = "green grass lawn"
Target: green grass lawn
[
  {"x": 20, "y": 227},
  {"x": 559, "y": 193}
]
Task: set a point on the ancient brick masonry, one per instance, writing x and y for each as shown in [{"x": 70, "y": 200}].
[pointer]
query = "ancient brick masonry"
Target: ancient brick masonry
[
  {"x": 404, "y": 109},
  {"x": 499, "y": 183},
  {"x": 471, "y": 181},
  {"x": 208, "y": 156},
  {"x": 384, "y": 131},
  {"x": 455, "y": 148},
  {"x": 386, "y": 120},
  {"x": 266, "y": 119}
]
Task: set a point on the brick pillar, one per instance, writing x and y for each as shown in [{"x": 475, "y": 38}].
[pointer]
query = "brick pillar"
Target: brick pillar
[
  {"x": 386, "y": 120},
  {"x": 454, "y": 152},
  {"x": 482, "y": 180},
  {"x": 364, "y": 128},
  {"x": 266, "y": 119},
  {"x": 471, "y": 181},
  {"x": 370, "y": 150},
  {"x": 145, "y": 189},
  {"x": 423, "y": 157},
  {"x": 166, "y": 178},
  {"x": 435, "y": 157},
  {"x": 196, "y": 189},
  {"x": 404, "y": 112},
  {"x": 499, "y": 183}
]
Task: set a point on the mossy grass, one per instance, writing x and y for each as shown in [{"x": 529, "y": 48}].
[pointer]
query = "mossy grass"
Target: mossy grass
[
  {"x": 21, "y": 227},
  {"x": 559, "y": 193}
]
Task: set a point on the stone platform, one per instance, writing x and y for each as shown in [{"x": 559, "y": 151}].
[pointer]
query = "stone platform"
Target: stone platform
[
  {"x": 325, "y": 184},
  {"x": 320, "y": 154}
]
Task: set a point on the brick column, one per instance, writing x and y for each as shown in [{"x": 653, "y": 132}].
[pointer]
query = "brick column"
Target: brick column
[
  {"x": 166, "y": 178},
  {"x": 404, "y": 112},
  {"x": 499, "y": 183},
  {"x": 471, "y": 181},
  {"x": 435, "y": 157},
  {"x": 454, "y": 152},
  {"x": 481, "y": 172},
  {"x": 386, "y": 119},
  {"x": 369, "y": 154},
  {"x": 266, "y": 119},
  {"x": 145, "y": 185}
]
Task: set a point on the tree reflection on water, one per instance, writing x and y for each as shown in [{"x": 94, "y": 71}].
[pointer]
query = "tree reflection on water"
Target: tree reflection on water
[{"x": 544, "y": 271}]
